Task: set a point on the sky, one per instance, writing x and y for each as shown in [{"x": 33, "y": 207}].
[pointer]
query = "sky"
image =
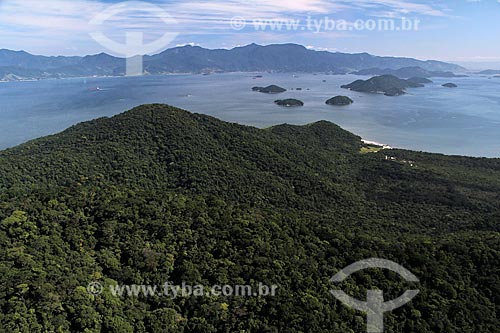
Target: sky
[{"x": 450, "y": 30}]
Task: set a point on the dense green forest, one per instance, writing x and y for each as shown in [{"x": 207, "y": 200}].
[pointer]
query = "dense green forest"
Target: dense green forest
[{"x": 160, "y": 194}]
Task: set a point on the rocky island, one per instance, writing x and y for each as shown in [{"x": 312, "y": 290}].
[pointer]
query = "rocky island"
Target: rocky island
[
  {"x": 289, "y": 102},
  {"x": 272, "y": 89},
  {"x": 388, "y": 85},
  {"x": 340, "y": 101},
  {"x": 450, "y": 85}
]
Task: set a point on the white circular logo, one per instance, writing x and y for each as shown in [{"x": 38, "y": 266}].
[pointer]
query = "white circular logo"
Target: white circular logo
[
  {"x": 374, "y": 307},
  {"x": 95, "y": 288},
  {"x": 238, "y": 23}
]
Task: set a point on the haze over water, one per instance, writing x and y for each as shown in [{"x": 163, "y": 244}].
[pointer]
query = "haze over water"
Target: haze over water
[{"x": 461, "y": 121}]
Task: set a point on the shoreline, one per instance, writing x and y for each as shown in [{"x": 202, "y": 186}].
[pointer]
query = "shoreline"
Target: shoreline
[{"x": 375, "y": 143}]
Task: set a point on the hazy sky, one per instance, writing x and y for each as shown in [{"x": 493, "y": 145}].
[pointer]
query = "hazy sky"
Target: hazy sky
[{"x": 452, "y": 30}]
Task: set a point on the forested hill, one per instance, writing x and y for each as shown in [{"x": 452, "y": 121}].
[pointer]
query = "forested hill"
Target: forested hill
[{"x": 158, "y": 193}]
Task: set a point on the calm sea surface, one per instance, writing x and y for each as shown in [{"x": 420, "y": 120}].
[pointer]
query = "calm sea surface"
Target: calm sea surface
[{"x": 463, "y": 121}]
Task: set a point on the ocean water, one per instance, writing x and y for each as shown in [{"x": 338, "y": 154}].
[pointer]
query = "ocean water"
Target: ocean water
[{"x": 461, "y": 121}]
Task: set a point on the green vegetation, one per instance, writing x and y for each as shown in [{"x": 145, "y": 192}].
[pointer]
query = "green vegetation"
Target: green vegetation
[
  {"x": 339, "y": 100},
  {"x": 159, "y": 194},
  {"x": 370, "y": 149},
  {"x": 388, "y": 85},
  {"x": 289, "y": 102},
  {"x": 419, "y": 80},
  {"x": 272, "y": 89}
]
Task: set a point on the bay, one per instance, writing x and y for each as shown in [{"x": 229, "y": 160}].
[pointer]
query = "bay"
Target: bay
[{"x": 460, "y": 121}]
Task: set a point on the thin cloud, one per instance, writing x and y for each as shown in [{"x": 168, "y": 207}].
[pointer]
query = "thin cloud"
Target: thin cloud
[{"x": 66, "y": 23}]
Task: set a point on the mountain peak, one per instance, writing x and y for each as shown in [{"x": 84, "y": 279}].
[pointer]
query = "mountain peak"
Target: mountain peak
[
  {"x": 249, "y": 46},
  {"x": 287, "y": 46},
  {"x": 99, "y": 55},
  {"x": 13, "y": 52}
]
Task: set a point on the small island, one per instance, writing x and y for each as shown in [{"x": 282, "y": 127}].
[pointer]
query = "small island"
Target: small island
[
  {"x": 388, "y": 85},
  {"x": 272, "y": 89},
  {"x": 450, "y": 85},
  {"x": 289, "y": 102},
  {"x": 394, "y": 92},
  {"x": 340, "y": 101}
]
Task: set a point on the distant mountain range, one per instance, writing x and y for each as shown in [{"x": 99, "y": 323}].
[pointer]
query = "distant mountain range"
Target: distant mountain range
[{"x": 20, "y": 65}]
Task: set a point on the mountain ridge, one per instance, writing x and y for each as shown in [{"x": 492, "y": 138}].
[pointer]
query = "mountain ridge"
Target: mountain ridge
[
  {"x": 195, "y": 59},
  {"x": 160, "y": 194}
]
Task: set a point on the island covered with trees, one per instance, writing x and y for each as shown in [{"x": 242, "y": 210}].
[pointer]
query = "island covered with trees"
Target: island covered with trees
[
  {"x": 388, "y": 85},
  {"x": 272, "y": 89},
  {"x": 290, "y": 102},
  {"x": 340, "y": 101}
]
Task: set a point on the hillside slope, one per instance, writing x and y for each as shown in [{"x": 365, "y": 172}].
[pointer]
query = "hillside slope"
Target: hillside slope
[{"x": 160, "y": 194}]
